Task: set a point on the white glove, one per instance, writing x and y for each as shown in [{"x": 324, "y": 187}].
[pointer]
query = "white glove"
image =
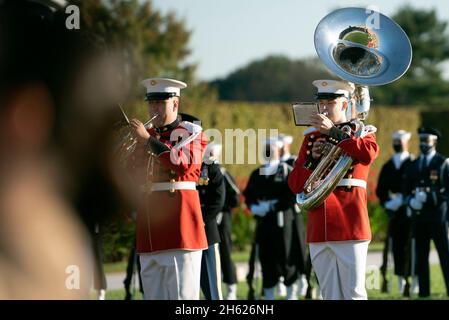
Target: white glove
[
  {"x": 421, "y": 196},
  {"x": 219, "y": 218},
  {"x": 272, "y": 203},
  {"x": 260, "y": 209},
  {"x": 394, "y": 204},
  {"x": 415, "y": 204}
]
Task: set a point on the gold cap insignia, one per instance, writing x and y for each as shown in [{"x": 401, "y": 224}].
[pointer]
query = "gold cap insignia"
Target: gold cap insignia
[
  {"x": 153, "y": 82},
  {"x": 324, "y": 83}
]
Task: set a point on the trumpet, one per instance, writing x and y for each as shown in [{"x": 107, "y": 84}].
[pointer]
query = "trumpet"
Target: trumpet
[{"x": 128, "y": 141}]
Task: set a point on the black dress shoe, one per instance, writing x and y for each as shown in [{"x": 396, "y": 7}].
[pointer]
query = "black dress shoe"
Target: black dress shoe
[
  {"x": 384, "y": 288},
  {"x": 407, "y": 290}
]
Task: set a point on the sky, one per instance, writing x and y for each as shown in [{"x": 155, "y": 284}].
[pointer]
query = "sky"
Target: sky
[{"x": 228, "y": 34}]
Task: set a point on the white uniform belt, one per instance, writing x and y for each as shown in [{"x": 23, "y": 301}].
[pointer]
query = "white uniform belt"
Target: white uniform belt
[
  {"x": 352, "y": 183},
  {"x": 180, "y": 185}
]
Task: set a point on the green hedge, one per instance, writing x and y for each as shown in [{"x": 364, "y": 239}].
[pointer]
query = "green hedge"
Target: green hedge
[{"x": 244, "y": 115}]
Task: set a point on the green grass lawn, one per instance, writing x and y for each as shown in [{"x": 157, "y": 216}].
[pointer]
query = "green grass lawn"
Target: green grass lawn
[
  {"x": 438, "y": 289},
  {"x": 237, "y": 256}
]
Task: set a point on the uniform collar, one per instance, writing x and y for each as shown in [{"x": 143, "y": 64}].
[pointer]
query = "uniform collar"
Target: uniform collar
[
  {"x": 399, "y": 158},
  {"x": 168, "y": 127},
  {"x": 430, "y": 156},
  {"x": 285, "y": 157},
  {"x": 427, "y": 157},
  {"x": 270, "y": 168}
]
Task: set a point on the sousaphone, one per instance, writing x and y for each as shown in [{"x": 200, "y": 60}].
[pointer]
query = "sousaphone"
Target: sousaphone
[{"x": 366, "y": 48}]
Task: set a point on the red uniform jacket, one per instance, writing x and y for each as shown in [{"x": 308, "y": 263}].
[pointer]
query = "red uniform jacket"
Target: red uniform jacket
[
  {"x": 343, "y": 215},
  {"x": 171, "y": 220}
]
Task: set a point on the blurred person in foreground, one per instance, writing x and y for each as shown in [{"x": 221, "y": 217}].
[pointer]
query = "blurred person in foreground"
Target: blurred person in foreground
[{"x": 56, "y": 179}]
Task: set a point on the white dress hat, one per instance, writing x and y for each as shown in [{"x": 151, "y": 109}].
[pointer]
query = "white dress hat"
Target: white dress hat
[{"x": 162, "y": 88}]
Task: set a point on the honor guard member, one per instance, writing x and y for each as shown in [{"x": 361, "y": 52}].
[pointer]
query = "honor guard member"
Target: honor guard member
[
  {"x": 338, "y": 231},
  {"x": 286, "y": 142},
  {"x": 212, "y": 197},
  {"x": 132, "y": 266},
  {"x": 285, "y": 154},
  {"x": 224, "y": 218},
  {"x": 426, "y": 188},
  {"x": 399, "y": 226},
  {"x": 268, "y": 197},
  {"x": 167, "y": 164}
]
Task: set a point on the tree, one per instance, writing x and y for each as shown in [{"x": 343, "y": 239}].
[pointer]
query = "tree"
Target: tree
[
  {"x": 275, "y": 78},
  {"x": 149, "y": 43},
  {"x": 423, "y": 83}
]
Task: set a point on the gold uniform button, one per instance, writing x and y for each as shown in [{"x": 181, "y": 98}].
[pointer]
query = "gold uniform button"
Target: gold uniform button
[
  {"x": 308, "y": 151},
  {"x": 172, "y": 181},
  {"x": 309, "y": 144},
  {"x": 350, "y": 176},
  {"x": 312, "y": 136}
]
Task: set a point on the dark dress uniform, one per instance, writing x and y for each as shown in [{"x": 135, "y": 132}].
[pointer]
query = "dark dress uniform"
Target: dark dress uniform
[
  {"x": 301, "y": 230},
  {"x": 290, "y": 160},
  {"x": 232, "y": 200},
  {"x": 99, "y": 274},
  {"x": 399, "y": 225},
  {"x": 431, "y": 221},
  {"x": 277, "y": 232},
  {"x": 211, "y": 189}
]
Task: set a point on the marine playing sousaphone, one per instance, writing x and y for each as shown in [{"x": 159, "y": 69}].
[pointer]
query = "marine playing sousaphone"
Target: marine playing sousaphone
[{"x": 368, "y": 49}]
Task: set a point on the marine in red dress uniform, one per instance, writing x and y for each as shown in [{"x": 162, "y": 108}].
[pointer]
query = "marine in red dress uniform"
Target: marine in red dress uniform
[
  {"x": 343, "y": 215},
  {"x": 338, "y": 231},
  {"x": 170, "y": 227}
]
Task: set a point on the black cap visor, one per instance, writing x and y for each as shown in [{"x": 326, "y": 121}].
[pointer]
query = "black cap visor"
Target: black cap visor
[
  {"x": 159, "y": 96},
  {"x": 328, "y": 95}
]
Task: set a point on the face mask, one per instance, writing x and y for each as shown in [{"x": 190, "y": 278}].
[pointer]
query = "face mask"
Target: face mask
[
  {"x": 397, "y": 148},
  {"x": 425, "y": 148}
]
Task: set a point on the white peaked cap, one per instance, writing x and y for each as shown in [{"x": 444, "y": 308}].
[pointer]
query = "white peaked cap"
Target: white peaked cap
[
  {"x": 273, "y": 142},
  {"x": 163, "y": 85},
  {"x": 213, "y": 148},
  {"x": 334, "y": 87},
  {"x": 401, "y": 135},
  {"x": 285, "y": 138}
]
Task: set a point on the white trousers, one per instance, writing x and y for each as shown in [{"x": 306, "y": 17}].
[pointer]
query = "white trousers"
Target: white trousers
[
  {"x": 171, "y": 275},
  {"x": 340, "y": 267}
]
